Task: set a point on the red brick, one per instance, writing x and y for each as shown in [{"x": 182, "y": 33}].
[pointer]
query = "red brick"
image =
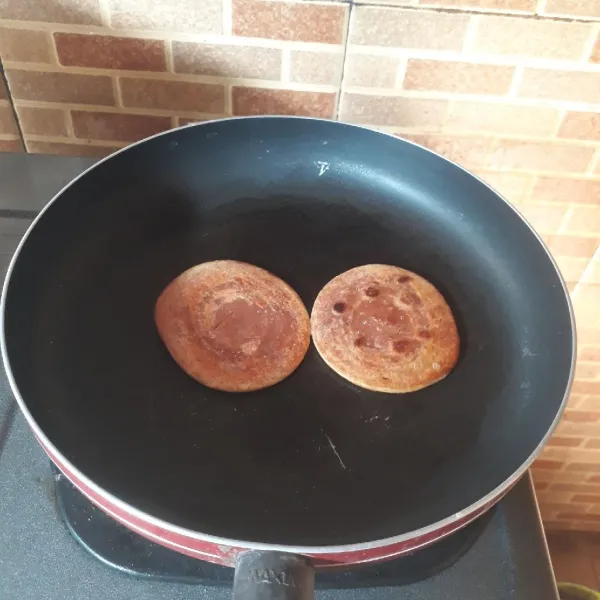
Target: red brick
[
  {"x": 571, "y": 268},
  {"x": 22, "y": 45},
  {"x": 292, "y": 21},
  {"x": 11, "y": 146},
  {"x": 499, "y": 5},
  {"x": 577, "y": 429},
  {"x": 589, "y": 353},
  {"x": 584, "y": 219},
  {"x": 61, "y": 87},
  {"x": 585, "y": 303},
  {"x": 68, "y": 149},
  {"x": 581, "y": 416},
  {"x": 573, "y": 8},
  {"x": 564, "y": 442},
  {"x": 528, "y": 37},
  {"x": 543, "y": 218},
  {"x": 550, "y": 508},
  {"x": 587, "y": 370},
  {"x": 395, "y": 27},
  {"x": 580, "y": 488},
  {"x": 553, "y": 476},
  {"x": 502, "y": 118},
  {"x": 118, "y": 127},
  {"x": 587, "y": 498},
  {"x": 542, "y": 463},
  {"x": 570, "y": 245},
  {"x": 568, "y": 86},
  {"x": 577, "y": 400},
  {"x": 593, "y": 274},
  {"x": 587, "y": 467},
  {"x": 581, "y": 126},
  {"x": 7, "y": 121},
  {"x": 590, "y": 403},
  {"x": 457, "y": 77},
  {"x": 173, "y": 95},
  {"x": 108, "y": 52},
  {"x": 260, "y": 101},
  {"x": 553, "y": 497},
  {"x": 227, "y": 61},
  {"x": 205, "y": 16},
  {"x": 513, "y": 186},
  {"x": 79, "y": 12},
  {"x": 42, "y": 121},
  {"x": 423, "y": 114},
  {"x": 595, "y": 56},
  {"x": 319, "y": 67},
  {"x": 469, "y": 151},
  {"x": 567, "y": 191},
  {"x": 575, "y": 516},
  {"x": 585, "y": 306},
  {"x": 540, "y": 156},
  {"x": 370, "y": 70},
  {"x": 588, "y": 335}
]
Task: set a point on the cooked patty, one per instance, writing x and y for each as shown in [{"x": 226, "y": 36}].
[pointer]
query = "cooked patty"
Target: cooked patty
[
  {"x": 233, "y": 326},
  {"x": 385, "y": 329}
]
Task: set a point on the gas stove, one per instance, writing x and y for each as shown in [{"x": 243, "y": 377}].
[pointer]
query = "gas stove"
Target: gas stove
[{"x": 55, "y": 545}]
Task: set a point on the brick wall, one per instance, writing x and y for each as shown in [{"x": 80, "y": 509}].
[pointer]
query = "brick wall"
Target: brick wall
[{"x": 508, "y": 88}]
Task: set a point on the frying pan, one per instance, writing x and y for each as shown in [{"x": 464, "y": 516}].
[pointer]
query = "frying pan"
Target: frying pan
[{"x": 313, "y": 471}]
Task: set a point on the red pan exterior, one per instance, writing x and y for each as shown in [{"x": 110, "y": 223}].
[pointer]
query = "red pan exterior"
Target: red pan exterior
[{"x": 226, "y": 555}]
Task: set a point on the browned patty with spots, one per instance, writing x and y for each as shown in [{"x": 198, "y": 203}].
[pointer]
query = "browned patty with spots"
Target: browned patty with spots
[
  {"x": 233, "y": 326},
  {"x": 385, "y": 329}
]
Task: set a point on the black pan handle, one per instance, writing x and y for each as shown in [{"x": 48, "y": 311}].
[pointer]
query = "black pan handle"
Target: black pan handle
[{"x": 265, "y": 575}]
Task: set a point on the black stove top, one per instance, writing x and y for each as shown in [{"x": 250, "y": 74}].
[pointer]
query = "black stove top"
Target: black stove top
[
  {"x": 130, "y": 553},
  {"x": 500, "y": 556}
]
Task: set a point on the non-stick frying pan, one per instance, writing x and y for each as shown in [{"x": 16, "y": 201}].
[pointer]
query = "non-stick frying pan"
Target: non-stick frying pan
[{"x": 215, "y": 474}]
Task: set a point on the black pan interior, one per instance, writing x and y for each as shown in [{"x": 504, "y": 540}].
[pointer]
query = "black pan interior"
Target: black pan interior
[{"x": 306, "y": 200}]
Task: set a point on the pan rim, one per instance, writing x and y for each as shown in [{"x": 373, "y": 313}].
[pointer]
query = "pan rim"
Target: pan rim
[{"x": 480, "y": 504}]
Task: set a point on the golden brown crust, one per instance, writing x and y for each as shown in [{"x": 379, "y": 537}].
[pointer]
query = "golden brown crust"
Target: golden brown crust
[
  {"x": 385, "y": 329},
  {"x": 233, "y": 326}
]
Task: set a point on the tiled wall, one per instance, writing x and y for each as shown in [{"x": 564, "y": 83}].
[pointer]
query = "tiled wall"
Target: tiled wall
[
  {"x": 9, "y": 133},
  {"x": 508, "y": 88}
]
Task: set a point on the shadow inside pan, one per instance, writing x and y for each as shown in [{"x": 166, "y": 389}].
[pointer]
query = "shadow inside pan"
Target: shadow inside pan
[{"x": 87, "y": 359}]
